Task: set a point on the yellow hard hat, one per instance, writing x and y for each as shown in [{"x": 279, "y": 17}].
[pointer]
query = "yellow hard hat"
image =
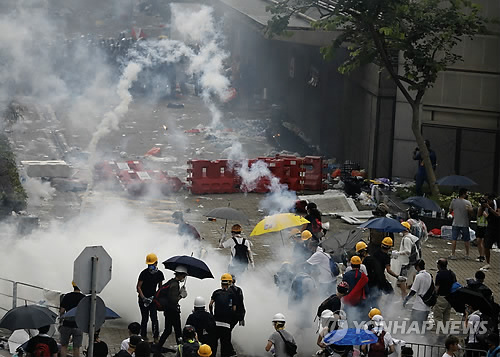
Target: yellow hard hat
[
  {"x": 406, "y": 225},
  {"x": 226, "y": 277},
  {"x": 205, "y": 351},
  {"x": 360, "y": 246},
  {"x": 151, "y": 258},
  {"x": 387, "y": 241},
  {"x": 306, "y": 235},
  {"x": 374, "y": 312},
  {"x": 356, "y": 260}
]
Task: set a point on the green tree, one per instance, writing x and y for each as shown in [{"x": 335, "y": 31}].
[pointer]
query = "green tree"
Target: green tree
[{"x": 424, "y": 32}]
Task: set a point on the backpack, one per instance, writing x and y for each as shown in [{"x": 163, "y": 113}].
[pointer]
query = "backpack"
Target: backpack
[
  {"x": 378, "y": 349},
  {"x": 160, "y": 300},
  {"x": 189, "y": 349},
  {"x": 327, "y": 304},
  {"x": 334, "y": 268},
  {"x": 413, "y": 253},
  {"x": 240, "y": 251},
  {"x": 42, "y": 350},
  {"x": 430, "y": 297},
  {"x": 290, "y": 347}
]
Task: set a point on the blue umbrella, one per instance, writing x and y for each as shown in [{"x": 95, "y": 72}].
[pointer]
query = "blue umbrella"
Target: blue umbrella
[
  {"x": 350, "y": 337},
  {"x": 455, "y": 180},
  {"x": 422, "y": 202},
  {"x": 110, "y": 314},
  {"x": 384, "y": 224},
  {"x": 195, "y": 267}
]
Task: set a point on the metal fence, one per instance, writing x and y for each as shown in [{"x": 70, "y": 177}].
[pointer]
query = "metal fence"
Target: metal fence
[
  {"x": 16, "y": 292},
  {"x": 425, "y": 350}
]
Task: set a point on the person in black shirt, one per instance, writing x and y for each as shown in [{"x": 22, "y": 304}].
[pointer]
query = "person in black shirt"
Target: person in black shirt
[
  {"x": 100, "y": 347},
  {"x": 149, "y": 281},
  {"x": 223, "y": 308},
  {"x": 172, "y": 311},
  {"x": 444, "y": 280},
  {"x": 69, "y": 328},
  {"x": 314, "y": 217},
  {"x": 42, "y": 344},
  {"x": 333, "y": 303},
  {"x": 239, "y": 315},
  {"x": 203, "y": 322},
  {"x": 477, "y": 284},
  {"x": 383, "y": 258}
]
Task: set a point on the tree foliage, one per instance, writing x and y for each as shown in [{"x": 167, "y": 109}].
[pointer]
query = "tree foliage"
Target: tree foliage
[{"x": 425, "y": 32}]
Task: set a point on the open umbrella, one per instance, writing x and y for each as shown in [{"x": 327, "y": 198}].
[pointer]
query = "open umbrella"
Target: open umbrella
[
  {"x": 28, "y": 317},
  {"x": 455, "y": 180},
  {"x": 350, "y": 337},
  {"x": 340, "y": 243},
  {"x": 195, "y": 267},
  {"x": 422, "y": 202},
  {"x": 464, "y": 296},
  {"x": 109, "y": 315},
  {"x": 384, "y": 224},
  {"x": 228, "y": 213},
  {"x": 277, "y": 223}
]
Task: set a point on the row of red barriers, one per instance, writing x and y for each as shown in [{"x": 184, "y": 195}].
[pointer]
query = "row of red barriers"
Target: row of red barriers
[{"x": 218, "y": 176}]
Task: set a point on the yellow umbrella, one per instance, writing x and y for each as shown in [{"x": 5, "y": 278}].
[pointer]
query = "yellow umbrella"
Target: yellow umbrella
[{"x": 278, "y": 222}]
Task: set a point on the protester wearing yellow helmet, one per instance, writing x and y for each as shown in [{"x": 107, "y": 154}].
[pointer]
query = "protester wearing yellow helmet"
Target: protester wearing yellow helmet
[
  {"x": 407, "y": 256},
  {"x": 222, "y": 307},
  {"x": 205, "y": 351},
  {"x": 374, "y": 312},
  {"x": 383, "y": 258},
  {"x": 150, "y": 280}
]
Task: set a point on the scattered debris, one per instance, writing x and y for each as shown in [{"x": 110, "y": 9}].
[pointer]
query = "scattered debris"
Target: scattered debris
[{"x": 175, "y": 105}]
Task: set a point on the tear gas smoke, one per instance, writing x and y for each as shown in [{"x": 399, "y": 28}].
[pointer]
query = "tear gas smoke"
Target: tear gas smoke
[
  {"x": 37, "y": 190},
  {"x": 128, "y": 238}
]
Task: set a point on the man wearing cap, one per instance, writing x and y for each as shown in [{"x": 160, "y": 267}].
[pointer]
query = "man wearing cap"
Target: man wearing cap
[
  {"x": 150, "y": 280},
  {"x": 357, "y": 294},
  {"x": 172, "y": 309},
  {"x": 241, "y": 251},
  {"x": 223, "y": 308},
  {"x": 203, "y": 322},
  {"x": 334, "y": 302},
  {"x": 185, "y": 229},
  {"x": 69, "y": 329}
]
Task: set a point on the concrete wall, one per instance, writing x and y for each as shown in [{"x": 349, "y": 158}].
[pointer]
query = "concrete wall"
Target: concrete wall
[{"x": 461, "y": 114}]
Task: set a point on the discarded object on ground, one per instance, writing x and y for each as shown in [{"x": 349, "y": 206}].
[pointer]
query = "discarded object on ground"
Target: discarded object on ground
[
  {"x": 155, "y": 151},
  {"x": 175, "y": 105}
]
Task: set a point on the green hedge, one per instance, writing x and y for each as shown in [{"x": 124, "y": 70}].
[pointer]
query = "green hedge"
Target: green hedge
[{"x": 13, "y": 197}]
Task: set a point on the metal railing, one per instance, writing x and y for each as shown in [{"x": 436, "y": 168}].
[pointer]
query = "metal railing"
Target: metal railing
[
  {"x": 421, "y": 350},
  {"x": 15, "y": 294}
]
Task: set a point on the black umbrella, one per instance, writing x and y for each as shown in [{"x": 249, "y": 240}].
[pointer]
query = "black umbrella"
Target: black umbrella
[
  {"x": 341, "y": 242},
  {"x": 383, "y": 224},
  {"x": 229, "y": 214},
  {"x": 422, "y": 202},
  {"x": 195, "y": 267},
  {"x": 109, "y": 314},
  {"x": 455, "y": 180},
  {"x": 464, "y": 296},
  {"x": 28, "y": 317}
]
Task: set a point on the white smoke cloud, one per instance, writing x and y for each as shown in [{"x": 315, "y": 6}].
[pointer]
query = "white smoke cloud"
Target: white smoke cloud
[{"x": 37, "y": 190}]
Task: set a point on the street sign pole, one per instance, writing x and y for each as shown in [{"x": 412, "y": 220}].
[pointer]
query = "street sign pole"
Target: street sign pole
[{"x": 95, "y": 261}]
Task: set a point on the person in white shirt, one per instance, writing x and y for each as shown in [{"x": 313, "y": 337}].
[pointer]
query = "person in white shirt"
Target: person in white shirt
[
  {"x": 405, "y": 256},
  {"x": 451, "y": 345},
  {"x": 421, "y": 285},
  {"x": 241, "y": 251},
  {"x": 326, "y": 281},
  {"x": 472, "y": 322}
]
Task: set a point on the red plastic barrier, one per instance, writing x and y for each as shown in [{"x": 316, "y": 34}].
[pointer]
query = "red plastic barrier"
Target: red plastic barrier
[
  {"x": 166, "y": 183},
  {"x": 211, "y": 177},
  {"x": 314, "y": 175}
]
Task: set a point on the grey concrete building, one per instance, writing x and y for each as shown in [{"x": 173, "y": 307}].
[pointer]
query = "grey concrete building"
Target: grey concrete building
[{"x": 361, "y": 117}]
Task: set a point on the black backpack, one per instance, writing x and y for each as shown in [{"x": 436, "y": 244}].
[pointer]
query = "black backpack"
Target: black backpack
[
  {"x": 189, "y": 349},
  {"x": 430, "y": 297},
  {"x": 290, "y": 347},
  {"x": 413, "y": 253},
  {"x": 240, "y": 251}
]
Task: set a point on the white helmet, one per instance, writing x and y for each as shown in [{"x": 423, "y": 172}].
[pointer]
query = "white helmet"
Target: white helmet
[
  {"x": 181, "y": 269},
  {"x": 199, "y": 301},
  {"x": 279, "y": 317},
  {"x": 326, "y": 317}
]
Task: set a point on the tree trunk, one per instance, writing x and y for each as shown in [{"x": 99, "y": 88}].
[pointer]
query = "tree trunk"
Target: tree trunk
[{"x": 424, "y": 153}]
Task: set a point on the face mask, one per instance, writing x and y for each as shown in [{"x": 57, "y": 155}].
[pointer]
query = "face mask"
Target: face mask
[{"x": 152, "y": 268}]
